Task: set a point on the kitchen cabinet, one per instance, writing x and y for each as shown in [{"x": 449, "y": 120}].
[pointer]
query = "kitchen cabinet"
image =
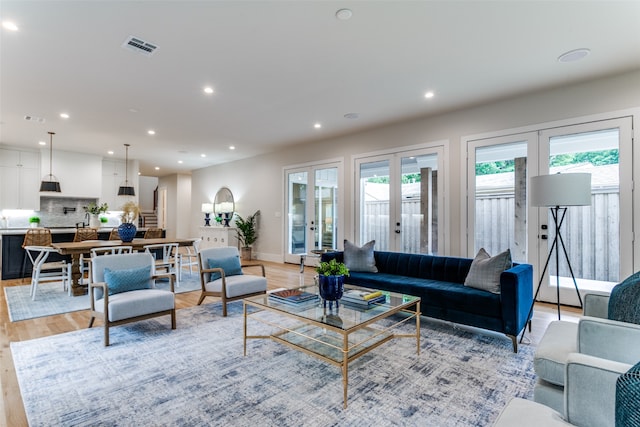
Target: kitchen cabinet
[
  {"x": 20, "y": 177},
  {"x": 80, "y": 175},
  {"x": 113, "y": 174},
  {"x": 216, "y": 237}
]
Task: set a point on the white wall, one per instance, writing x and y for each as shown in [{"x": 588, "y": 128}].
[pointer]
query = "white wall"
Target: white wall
[
  {"x": 148, "y": 184},
  {"x": 257, "y": 183},
  {"x": 179, "y": 205}
]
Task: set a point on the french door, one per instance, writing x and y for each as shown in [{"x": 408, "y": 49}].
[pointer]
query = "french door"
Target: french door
[
  {"x": 314, "y": 209},
  {"x": 597, "y": 238},
  {"x": 400, "y": 198}
]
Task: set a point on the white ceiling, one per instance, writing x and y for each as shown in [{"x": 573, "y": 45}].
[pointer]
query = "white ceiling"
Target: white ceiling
[{"x": 278, "y": 67}]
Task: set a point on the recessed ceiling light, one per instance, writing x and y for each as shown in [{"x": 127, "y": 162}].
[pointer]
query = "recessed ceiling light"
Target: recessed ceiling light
[
  {"x": 344, "y": 14},
  {"x": 11, "y": 26},
  {"x": 351, "y": 116},
  {"x": 574, "y": 55},
  {"x": 232, "y": 147},
  {"x": 157, "y": 168},
  {"x": 429, "y": 94},
  {"x": 203, "y": 155},
  {"x": 42, "y": 143},
  {"x": 64, "y": 115},
  {"x": 208, "y": 90},
  {"x": 151, "y": 132},
  {"x": 180, "y": 162},
  {"x": 317, "y": 126},
  {"x": 110, "y": 152},
  {"x": 133, "y": 110}
]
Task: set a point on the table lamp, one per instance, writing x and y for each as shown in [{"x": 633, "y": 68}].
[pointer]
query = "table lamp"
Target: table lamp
[{"x": 207, "y": 209}]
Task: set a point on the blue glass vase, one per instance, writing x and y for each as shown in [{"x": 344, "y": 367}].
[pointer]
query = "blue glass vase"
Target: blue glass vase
[
  {"x": 331, "y": 289},
  {"x": 127, "y": 231}
]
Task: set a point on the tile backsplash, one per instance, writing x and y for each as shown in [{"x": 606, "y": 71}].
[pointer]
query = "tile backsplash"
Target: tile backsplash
[{"x": 58, "y": 212}]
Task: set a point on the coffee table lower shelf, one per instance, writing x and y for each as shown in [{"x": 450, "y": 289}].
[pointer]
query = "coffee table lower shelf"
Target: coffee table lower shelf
[{"x": 329, "y": 343}]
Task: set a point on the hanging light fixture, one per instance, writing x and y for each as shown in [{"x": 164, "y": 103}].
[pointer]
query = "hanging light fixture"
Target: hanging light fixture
[
  {"x": 126, "y": 189},
  {"x": 50, "y": 182}
]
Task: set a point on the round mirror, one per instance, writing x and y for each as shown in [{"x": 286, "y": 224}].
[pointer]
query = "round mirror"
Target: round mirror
[{"x": 223, "y": 205}]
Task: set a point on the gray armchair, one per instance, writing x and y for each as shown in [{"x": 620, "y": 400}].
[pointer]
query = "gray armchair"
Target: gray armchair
[
  {"x": 612, "y": 346},
  {"x": 221, "y": 275},
  {"x": 122, "y": 291},
  {"x": 589, "y": 394}
]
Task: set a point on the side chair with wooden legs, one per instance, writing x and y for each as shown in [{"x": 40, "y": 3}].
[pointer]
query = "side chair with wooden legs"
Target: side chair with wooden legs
[
  {"x": 123, "y": 291},
  {"x": 221, "y": 275}
]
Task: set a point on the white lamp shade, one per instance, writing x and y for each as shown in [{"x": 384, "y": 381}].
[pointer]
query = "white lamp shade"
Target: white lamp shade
[
  {"x": 561, "y": 189},
  {"x": 207, "y": 207}
]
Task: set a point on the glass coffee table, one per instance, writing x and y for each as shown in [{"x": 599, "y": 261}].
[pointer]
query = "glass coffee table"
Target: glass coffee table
[{"x": 337, "y": 336}]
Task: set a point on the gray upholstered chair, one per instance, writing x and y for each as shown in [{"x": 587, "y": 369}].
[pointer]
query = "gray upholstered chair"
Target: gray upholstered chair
[
  {"x": 593, "y": 386},
  {"x": 221, "y": 276},
  {"x": 608, "y": 332},
  {"x": 122, "y": 291}
]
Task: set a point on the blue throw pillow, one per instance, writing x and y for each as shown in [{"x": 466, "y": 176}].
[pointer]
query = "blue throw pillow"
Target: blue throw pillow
[
  {"x": 624, "y": 302},
  {"x": 627, "y": 395},
  {"x": 127, "y": 280},
  {"x": 230, "y": 265}
]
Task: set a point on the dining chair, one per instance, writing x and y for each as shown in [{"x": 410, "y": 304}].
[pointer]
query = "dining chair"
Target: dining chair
[
  {"x": 109, "y": 250},
  {"x": 113, "y": 235},
  {"x": 82, "y": 235},
  {"x": 166, "y": 259},
  {"x": 153, "y": 233},
  {"x": 123, "y": 291},
  {"x": 189, "y": 259},
  {"x": 35, "y": 240}
]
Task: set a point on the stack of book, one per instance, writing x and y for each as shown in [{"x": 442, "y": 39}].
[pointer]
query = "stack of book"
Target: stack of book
[
  {"x": 293, "y": 297},
  {"x": 363, "y": 298}
]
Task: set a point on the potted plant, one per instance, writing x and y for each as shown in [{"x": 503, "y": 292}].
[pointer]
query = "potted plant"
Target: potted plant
[
  {"x": 127, "y": 230},
  {"x": 34, "y": 221},
  {"x": 247, "y": 233},
  {"x": 331, "y": 281},
  {"x": 94, "y": 210}
]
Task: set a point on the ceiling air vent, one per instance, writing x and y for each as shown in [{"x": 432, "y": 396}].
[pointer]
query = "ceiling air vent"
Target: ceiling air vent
[
  {"x": 140, "y": 46},
  {"x": 34, "y": 119}
]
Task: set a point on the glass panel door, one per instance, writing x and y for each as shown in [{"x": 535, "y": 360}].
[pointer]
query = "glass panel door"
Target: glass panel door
[
  {"x": 313, "y": 211},
  {"x": 591, "y": 234},
  {"x": 419, "y": 193},
  {"x": 297, "y": 212},
  {"x": 375, "y": 198},
  {"x": 500, "y": 202},
  {"x": 400, "y": 201}
]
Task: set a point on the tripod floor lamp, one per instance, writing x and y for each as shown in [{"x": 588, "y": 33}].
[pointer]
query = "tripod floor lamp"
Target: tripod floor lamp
[{"x": 557, "y": 192}]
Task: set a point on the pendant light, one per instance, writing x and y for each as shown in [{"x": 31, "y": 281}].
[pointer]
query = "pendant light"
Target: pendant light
[
  {"x": 49, "y": 182},
  {"x": 126, "y": 189}
]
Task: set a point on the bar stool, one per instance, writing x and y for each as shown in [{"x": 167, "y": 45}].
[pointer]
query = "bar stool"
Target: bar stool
[{"x": 153, "y": 233}]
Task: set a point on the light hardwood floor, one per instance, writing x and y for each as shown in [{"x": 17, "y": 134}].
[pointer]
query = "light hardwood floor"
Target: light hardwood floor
[{"x": 278, "y": 275}]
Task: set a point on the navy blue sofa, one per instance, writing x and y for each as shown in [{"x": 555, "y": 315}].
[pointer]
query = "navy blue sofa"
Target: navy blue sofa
[{"x": 439, "y": 282}]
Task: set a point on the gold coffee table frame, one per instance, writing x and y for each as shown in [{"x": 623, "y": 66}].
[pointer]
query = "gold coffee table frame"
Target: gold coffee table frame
[{"x": 337, "y": 337}]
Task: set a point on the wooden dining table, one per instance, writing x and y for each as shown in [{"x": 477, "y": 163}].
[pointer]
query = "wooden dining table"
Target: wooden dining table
[{"x": 76, "y": 249}]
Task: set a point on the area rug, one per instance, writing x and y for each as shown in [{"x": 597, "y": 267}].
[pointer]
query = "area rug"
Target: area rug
[
  {"x": 51, "y": 299},
  {"x": 196, "y": 375}
]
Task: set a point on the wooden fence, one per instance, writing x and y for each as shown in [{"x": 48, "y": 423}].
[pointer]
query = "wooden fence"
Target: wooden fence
[{"x": 590, "y": 233}]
